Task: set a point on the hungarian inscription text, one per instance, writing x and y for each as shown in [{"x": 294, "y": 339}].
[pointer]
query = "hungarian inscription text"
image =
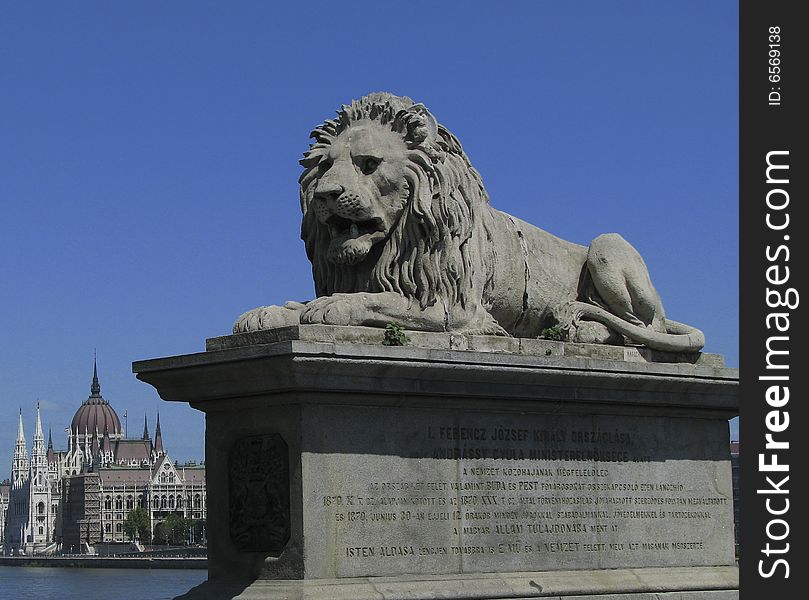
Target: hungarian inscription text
[{"x": 496, "y": 497}]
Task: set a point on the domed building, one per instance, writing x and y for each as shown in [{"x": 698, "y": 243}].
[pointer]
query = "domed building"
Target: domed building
[
  {"x": 95, "y": 415},
  {"x": 96, "y": 438},
  {"x": 70, "y": 500}
]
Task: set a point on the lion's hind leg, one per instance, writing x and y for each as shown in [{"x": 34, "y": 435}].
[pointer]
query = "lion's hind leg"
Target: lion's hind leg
[
  {"x": 616, "y": 294},
  {"x": 622, "y": 281}
]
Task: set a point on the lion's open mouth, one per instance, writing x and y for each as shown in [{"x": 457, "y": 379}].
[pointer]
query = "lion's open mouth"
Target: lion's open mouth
[
  {"x": 340, "y": 227},
  {"x": 351, "y": 241}
]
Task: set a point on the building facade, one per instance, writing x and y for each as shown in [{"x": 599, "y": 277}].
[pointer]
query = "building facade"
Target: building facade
[
  {"x": 5, "y": 486},
  {"x": 69, "y": 500},
  {"x": 32, "y": 498}
]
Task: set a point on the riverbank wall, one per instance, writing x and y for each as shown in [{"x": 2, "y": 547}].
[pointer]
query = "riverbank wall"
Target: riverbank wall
[{"x": 106, "y": 562}]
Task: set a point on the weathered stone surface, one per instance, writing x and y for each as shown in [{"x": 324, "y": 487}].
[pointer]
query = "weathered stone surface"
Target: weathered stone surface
[
  {"x": 459, "y": 341},
  {"x": 693, "y": 583},
  {"x": 418, "y": 470},
  {"x": 389, "y": 491},
  {"x": 465, "y": 379},
  {"x": 399, "y": 228}
]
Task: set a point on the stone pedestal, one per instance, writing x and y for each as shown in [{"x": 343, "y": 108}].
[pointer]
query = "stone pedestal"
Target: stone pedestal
[{"x": 459, "y": 467}]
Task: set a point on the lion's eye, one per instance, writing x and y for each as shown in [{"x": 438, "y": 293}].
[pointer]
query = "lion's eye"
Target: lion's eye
[{"x": 369, "y": 165}]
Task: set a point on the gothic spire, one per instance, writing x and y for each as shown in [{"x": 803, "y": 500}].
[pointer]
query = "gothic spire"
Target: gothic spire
[
  {"x": 158, "y": 437},
  {"x": 20, "y": 430},
  {"x": 38, "y": 427},
  {"x": 39, "y": 455},
  {"x": 95, "y": 387},
  {"x": 20, "y": 464},
  {"x": 51, "y": 454},
  {"x": 146, "y": 435}
]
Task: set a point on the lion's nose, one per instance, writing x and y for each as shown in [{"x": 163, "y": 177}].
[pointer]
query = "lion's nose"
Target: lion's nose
[{"x": 328, "y": 192}]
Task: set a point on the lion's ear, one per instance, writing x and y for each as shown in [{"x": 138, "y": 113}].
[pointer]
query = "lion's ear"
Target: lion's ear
[{"x": 421, "y": 125}]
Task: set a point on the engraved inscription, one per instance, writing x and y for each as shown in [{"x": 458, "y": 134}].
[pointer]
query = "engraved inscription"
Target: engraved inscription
[
  {"x": 258, "y": 468},
  {"x": 499, "y": 507},
  {"x": 519, "y": 493}
]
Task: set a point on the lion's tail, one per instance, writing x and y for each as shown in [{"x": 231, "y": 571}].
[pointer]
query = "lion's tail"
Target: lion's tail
[{"x": 679, "y": 337}]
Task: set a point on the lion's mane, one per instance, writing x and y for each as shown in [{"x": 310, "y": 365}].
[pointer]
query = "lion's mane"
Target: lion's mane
[{"x": 427, "y": 254}]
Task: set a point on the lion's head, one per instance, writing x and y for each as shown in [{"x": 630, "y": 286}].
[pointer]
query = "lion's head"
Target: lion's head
[{"x": 389, "y": 201}]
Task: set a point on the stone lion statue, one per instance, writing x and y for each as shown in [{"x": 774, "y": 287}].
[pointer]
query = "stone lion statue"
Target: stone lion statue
[{"x": 398, "y": 227}]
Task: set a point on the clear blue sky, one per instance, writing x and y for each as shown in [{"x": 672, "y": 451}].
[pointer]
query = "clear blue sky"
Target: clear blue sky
[{"x": 148, "y": 162}]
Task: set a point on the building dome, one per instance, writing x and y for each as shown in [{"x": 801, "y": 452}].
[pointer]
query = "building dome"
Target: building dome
[{"x": 96, "y": 414}]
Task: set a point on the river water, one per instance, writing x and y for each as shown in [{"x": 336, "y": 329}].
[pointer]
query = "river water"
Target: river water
[{"x": 45, "y": 583}]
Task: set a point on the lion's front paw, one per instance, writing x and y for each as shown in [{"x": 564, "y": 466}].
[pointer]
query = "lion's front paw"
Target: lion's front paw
[
  {"x": 486, "y": 326},
  {"x": 268, "y": 317},
  {"x": 338, "y": 309}
]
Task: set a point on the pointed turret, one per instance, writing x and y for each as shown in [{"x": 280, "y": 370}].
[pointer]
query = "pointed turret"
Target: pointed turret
[
  {"x": 95, "y": 387},
  {"x": 39, "y": 455},
  {"x": 87, "y": 440},
  {"x": 158, "y": 437},
  {"x": 38, "y": 428},
  {"x": 51, "y": 453},
  {"x": 20, "y": 465},
  {"x": 20, "y": 430},
  {"x": 146, "y": 436},
  {"x": 96, "y": 445}
]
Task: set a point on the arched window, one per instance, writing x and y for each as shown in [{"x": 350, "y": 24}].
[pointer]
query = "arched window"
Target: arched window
[
  {"x": 108, "y": 528},
  {"x": 119, "y": 503},
  {"x": 171, "y": 501},
  {"x": 41, "y": 509},
  {"x": 156, "y": 502},
  {"x": 179, "y": 501},
  {"x": 163, "y": 501},
  {"x": 108, "y": 503},
  {"x": 117, "y": 528},
  {"x": 196, "y": 501},
  {"x": 129, "y": 502}
]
